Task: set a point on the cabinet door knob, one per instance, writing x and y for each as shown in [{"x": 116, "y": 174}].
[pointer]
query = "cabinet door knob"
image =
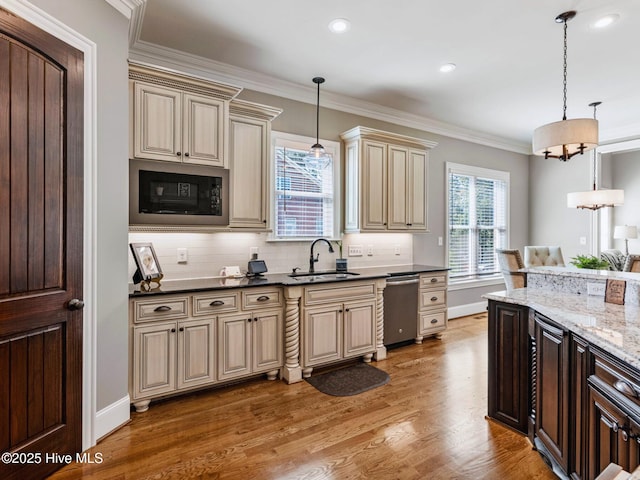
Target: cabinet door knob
[
  {"x": 340, "y": 311},
  {"x": 255, "y": 319},
  {"x": 173, "y": 330},
  {"x": 182, "y": 329},
  {"x": 216, "y": 303},
  {"x": 249, "y": 320},
  {"x": 262, "y": 298},
  {"x": 346, "y": 310},
  {"x": 162, "y": 308},
  {"x": 186, "y": 154},
  {"x": 409, "y": 224},
  {"x": 178, "y": 154}
]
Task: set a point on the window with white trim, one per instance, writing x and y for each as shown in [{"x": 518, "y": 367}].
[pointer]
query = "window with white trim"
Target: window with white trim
[
  {"x": 477, "y": 219},
  {"x": 306, "y": 200}
]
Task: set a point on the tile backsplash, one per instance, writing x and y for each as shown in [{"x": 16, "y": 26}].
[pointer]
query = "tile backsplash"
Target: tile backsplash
[{"x": 207, "y": 253}]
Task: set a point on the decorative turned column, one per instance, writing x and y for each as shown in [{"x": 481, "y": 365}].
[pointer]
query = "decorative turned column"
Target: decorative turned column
[
  {"x": 381, "y": 351},
  {"x": 292, "y": 371}
]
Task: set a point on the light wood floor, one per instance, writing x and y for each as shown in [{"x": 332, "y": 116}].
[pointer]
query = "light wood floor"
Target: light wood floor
[{"x": 428, "y": 422}]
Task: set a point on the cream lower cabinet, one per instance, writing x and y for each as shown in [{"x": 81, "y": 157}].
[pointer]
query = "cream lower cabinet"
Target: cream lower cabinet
[
  {"x": 432, "y": 304},
  {"x": 249, "y": 343},
  {"x": 333, "y": 331},
  {"x": 184, "y": 342},
  {"x": 172, "y": 356}
]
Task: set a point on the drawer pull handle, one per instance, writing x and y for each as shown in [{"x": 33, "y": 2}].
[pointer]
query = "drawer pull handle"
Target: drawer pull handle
[
  {"x": 433, "y": 299},
  {"x": 262, "y": 298},
  {"x": 162, "y": 308},
  {"x": 434, "y": 320},
  {"x": 434, "y": 280},
  {"x": 216, "y": 303},
  {"x": 626, "y": 388}
]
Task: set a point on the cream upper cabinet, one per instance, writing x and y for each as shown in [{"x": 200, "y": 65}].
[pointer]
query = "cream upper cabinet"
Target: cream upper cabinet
[
  {"x": 386, "y": 181},
  {"x": 249, "y": 147},
  {"x": 178, "y": 118}
]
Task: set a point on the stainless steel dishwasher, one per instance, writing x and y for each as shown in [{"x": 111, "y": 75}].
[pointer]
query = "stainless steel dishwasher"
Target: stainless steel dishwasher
[{"x": 401, "y": 309}]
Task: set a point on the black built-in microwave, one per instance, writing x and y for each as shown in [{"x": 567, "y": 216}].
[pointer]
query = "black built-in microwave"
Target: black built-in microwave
[{"x": 164, "y": 193}]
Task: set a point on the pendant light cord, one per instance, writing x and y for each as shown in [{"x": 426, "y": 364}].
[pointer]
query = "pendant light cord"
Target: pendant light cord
[
  {"x": 595, "y": 150},
  {"x": 564, "y": 84},
  {"x": 318, "y": 115}
]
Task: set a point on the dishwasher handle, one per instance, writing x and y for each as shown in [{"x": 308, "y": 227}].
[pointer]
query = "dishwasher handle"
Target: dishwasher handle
[{"x": 404, "y": 280}]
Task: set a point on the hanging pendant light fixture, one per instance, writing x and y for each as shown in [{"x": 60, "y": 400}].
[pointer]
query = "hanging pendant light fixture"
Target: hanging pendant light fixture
[
  {"x": 317, "y": 153},
  {"x": 565, "y": 138},
  {"x": 595, "y": 199}
]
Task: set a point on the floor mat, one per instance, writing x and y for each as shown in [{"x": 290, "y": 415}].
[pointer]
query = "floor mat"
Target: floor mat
[{"x": 348, "y": 381}]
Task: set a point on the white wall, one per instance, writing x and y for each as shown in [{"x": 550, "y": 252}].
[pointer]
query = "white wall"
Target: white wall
[
  {"x": 550, "y": 221},
  {"x": 625, "y": 169},
  {"x": 108, "y": 29}
]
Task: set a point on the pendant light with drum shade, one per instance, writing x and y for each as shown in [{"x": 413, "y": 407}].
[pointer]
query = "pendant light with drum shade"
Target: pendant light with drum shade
[
  {"x": 595, "y": 199},
  {"x": 566, "y": 138},
  {"x": 317, "y": 153}
]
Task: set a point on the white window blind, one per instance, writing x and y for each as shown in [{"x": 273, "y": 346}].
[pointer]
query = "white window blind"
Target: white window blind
[
  {"x": 477, "y": 219},
  {"x": 305, "y": 191}
]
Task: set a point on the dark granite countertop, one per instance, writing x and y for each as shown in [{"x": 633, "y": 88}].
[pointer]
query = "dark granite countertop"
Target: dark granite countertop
[{"x": 279, "y": 279}]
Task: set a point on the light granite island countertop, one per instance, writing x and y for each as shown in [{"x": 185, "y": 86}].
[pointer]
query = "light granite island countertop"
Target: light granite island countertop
[{"x": 613, "y": 328}]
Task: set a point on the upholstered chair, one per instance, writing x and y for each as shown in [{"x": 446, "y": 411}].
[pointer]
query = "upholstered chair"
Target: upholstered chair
[
  {"x": 615, "y": 259},
  {"x": 510, "y": 262},
  {"x": 540, "y": 256},
  {"x": 632, "y": 264}
]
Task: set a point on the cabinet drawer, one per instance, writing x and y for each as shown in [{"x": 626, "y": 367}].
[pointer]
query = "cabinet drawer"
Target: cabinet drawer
[
  {"x": 432, "y": 298},
  {"x": 330, "y": 293},
  {"x": 431, "y": 281},
  {"x": 432, "y": 321},
  {"x": 261, "y": 298},
  {"x": 617, "y": 375},
  {"x": 160, "y": 309},
  {"x": 212, "y": 303}
]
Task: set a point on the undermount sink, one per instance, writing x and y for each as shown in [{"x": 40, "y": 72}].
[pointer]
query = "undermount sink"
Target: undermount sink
[{"x": 310, "y": 277}]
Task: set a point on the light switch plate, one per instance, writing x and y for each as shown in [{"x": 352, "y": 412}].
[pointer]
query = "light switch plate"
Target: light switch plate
[
  {"x": 183, "y": 255},
  {"x": 354, "y": 250}
]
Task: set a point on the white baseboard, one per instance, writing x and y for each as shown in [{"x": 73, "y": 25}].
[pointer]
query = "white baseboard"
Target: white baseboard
[
  {"x": 468, "y": 309},
  {"x": 112, "y": 417}
]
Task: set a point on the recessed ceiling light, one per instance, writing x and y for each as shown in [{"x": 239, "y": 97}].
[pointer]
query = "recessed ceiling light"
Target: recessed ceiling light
[
  {"x": 448, "y": 67},
  {"x": 339, "y": 25},
  {"x": 605, "y": 21}
]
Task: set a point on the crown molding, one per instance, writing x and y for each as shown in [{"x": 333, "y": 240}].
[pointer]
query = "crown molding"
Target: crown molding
[
  {"x": 151, "y": 54},
  {"x": 126, "y": 7}
]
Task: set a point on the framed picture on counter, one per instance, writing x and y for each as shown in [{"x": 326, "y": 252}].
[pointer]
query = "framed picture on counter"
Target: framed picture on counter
[{"x": 147, "y": 262}]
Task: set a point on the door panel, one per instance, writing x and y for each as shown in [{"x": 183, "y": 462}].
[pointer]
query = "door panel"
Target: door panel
[{"x": 41, "y": 155}]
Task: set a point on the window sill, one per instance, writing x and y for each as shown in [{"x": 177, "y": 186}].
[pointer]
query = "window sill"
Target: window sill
[{"x": 475, "y": 283}]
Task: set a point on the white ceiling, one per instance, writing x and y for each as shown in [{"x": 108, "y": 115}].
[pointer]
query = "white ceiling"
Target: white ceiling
[{"x": 508, "y": 54}]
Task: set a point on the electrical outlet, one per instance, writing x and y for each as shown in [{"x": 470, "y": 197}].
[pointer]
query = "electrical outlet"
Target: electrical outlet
[
  {"x": 439, "y": 241},
  {"x": 396, "y": 249},
  {"x": 583, "y": 240},
  {"x": 254, "y": 251},
  {"x": 370, "y": 250},
  {"x": 183, "y": 255},
  {"x": 596, "y": 289},
  {"x": 354, "y": 250}
]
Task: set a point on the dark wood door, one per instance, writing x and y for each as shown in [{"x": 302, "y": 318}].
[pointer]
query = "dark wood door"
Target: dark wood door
[
  {"x": 508, "y": 365},
  {"x": 41, "y": 129},
  {"x": 552, "y": 389}
]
